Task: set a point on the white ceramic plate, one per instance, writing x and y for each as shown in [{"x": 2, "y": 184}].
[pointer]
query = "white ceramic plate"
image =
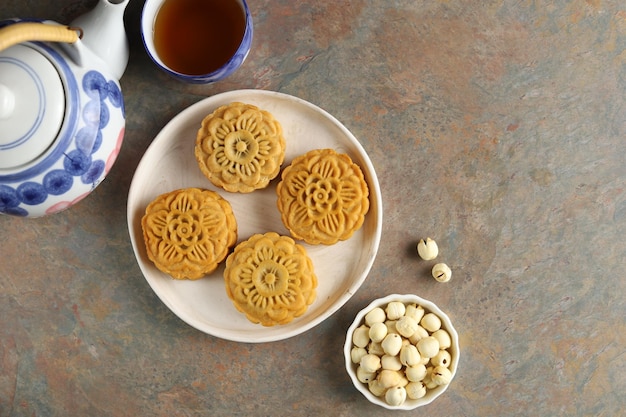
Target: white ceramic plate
[{"x": 169, "y": 164}]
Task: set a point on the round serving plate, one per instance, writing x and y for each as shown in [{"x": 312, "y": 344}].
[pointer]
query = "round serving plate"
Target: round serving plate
[{"x": 169, "y": 164}]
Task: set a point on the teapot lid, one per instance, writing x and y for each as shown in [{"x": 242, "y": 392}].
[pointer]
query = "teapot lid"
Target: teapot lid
[{"x": 32, "y": 105}]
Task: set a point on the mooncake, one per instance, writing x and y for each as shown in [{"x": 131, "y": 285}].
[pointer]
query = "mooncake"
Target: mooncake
[
  {"x": 240, "y": 147},
  {"x": 188, "y": 232},
  {"x": 270, "y": 278},
  {"x": 322, "y": 197}
]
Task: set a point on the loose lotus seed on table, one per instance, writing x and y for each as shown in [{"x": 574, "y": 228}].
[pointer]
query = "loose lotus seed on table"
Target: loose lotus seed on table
[
  {"x": 442, "y": 272},
  {"x": 427, "y": 249}
]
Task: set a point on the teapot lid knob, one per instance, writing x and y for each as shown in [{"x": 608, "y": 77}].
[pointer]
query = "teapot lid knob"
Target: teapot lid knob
[{"x": 32, "y": 105}]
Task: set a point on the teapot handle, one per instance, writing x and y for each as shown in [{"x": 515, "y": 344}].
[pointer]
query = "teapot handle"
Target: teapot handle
[{"x": 30, "y": 31}]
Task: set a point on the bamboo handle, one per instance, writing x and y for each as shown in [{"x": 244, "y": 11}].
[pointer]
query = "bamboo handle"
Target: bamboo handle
[{"x": 29, "y": 31}]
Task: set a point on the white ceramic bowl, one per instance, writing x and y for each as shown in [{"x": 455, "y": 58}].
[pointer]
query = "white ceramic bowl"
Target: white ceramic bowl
[{"x": 431, "y": 394}]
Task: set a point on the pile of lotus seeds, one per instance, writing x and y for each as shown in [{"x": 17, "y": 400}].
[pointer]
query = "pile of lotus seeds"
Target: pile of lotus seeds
[{"x": 401, "y": 351}]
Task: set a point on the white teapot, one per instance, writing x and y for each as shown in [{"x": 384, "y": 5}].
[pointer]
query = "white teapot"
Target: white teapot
[{"x": 62, "y": 113}]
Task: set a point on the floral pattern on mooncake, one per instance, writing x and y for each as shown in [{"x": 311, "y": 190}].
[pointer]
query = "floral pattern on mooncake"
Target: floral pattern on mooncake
[
  {"x": 188, "y": 232},
  {"x": 240, "y": 147},
  {"x": 322, "y": 197},
  {"x": 270, "y": 279}
]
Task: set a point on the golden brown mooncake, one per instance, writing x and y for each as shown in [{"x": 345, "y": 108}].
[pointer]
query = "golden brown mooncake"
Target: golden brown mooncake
[
  {"x": 188, "y": 232},
  {"x": 240, "y": 147},
  {"x": 270, "y": 278},
  {"x": 322, "y": 197}
]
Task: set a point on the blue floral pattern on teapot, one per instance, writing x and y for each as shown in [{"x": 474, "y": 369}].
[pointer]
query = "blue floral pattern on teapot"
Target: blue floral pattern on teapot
[
  {"x": 63, "y": 97},
  {"x": 79, "y": 159}
]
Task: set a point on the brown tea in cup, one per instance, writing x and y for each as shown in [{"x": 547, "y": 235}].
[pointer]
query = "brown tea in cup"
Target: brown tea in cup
[{"x": 198, "y": 36}]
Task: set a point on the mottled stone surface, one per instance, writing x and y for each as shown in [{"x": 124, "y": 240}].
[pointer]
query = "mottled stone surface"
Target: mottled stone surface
[{"x": 498, "y": 128}]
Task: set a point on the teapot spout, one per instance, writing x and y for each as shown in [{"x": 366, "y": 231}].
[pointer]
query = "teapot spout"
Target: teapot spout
[{"x": 104, "y": 34}]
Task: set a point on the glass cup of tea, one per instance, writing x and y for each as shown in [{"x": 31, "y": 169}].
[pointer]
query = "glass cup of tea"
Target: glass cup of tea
[{"x": 197, "y": 41}]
